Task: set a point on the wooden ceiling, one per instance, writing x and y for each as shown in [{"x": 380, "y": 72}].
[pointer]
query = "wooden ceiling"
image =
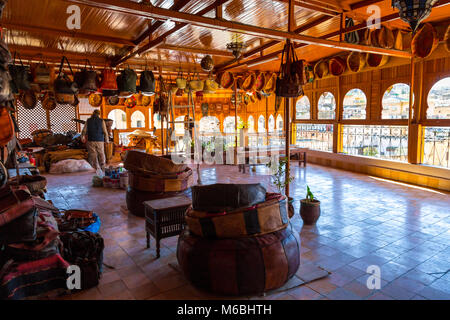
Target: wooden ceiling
[{"x": 178, "y": 33}]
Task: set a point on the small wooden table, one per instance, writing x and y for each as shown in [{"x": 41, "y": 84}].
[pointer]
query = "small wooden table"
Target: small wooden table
[{"x": 165, "y": 218}]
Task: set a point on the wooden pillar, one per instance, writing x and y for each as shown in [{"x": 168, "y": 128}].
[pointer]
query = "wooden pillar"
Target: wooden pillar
[{"x": 414, "y": 128}]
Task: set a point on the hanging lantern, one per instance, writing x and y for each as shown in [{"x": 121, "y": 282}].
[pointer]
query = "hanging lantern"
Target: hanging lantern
[{"x": 414, "y": 11}]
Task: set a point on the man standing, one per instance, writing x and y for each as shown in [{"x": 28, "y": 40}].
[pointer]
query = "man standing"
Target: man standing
[{"x": 97, "y": 135}]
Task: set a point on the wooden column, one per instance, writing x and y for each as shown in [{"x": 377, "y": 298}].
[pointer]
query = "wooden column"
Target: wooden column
[{"x": 414, "y": 128}]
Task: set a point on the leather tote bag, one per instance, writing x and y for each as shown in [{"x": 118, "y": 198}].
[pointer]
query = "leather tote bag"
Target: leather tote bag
[
  {"x": 126, "y": 82},
  {"x": 147, "y": 83},
  {"x": 63, "y": 84},
  {"x": 86, "y": 79},
  {"x": 20, "y": 75},
  {"x": 108, "y": 82},
  {"x": 288, "y": 83}
]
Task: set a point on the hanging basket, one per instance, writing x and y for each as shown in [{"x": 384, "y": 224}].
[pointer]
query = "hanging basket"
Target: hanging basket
[
  {"x": 260, "y": 82},
  {"x": 386, "y": 38},
  {"x": 321, "y": 69},
  {"x": 356, "y": 61},
  {"x": 249, "y": 82},
  {"x": 337, "y": 66},
  {"x": 376, "y": 60},
  {"x": 225, "y": 79},
  {"x": 425, "y": 41},
  {"x": 402, "y": 40}
]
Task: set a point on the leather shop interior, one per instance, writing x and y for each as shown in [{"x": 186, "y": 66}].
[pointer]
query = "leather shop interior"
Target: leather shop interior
[{"x": 225, "y": 149}]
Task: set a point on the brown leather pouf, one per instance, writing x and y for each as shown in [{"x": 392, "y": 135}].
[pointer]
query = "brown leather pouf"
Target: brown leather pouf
[
  {"x": 136, "y": 198},
  {"x": 241, "y": 266}
]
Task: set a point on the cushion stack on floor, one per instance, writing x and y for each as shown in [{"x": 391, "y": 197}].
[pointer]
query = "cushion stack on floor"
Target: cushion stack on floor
[
  {"x": 152, "y": 177},
  {"x": 238, "y": 241}
]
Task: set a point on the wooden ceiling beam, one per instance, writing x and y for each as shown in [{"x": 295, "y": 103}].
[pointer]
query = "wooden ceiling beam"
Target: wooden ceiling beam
[
  {"x": 137, "y": 9},
  {"x": 385, "y": 19},
  {"x": 78, "y": 59},
  {"x": 158, "y": 41},
  {"x": 178, "y": 5},
  {"x": 64, "y": 33},
  {"x": 218, "y": 53},
  {"x": 312, "y": 7},
  {"x": 300, "y": 29},
  {"x": 364, "y": 3}
]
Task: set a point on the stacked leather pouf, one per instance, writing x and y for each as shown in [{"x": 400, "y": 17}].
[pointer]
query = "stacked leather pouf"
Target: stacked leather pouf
[
  {"x": 239, "y": 240},
  {"x": 151, "y": 177}
]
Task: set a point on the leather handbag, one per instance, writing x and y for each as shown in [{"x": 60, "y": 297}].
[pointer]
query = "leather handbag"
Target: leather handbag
[
  {"x": 85, "y": 249},
  {"x": 5, "y": 86},
  {"x": 108, "y": 82},
  {"x": 126, "y": 82},
  {"x": 86, "y": 79},
  {"x": 147, "y": 82},
  {"x": 20, "y": 75},
  {"x": 63, "y": 84},
  {"x": 288, "y": 84},
  {"x": 41, "y": 75},
  {"x": 181, "y": 82}
]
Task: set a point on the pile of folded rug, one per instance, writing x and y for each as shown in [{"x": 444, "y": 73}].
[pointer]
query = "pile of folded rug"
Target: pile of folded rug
[{"x": 33, "y": 262}]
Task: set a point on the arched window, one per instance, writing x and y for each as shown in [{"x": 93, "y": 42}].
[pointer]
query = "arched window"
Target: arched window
[
  {"x": 261, "y": 124},
  {"x": 396, "y": 102},
  {"x": 355, "y": 103},
  {"x": 439, "y": 100},
  {"x": 209, "y": 124},
  {"x": 279, "y": 124},
  {"x": 251, "y": 124},
  {"x": 229, "y": 124},
  {"x": 327, "y": 106},
  {"x": 303, "y": 108},
  {"x": 157, "y": 121},
  {"x": 137, "y": 119},
  {"x": 271, "y": 123},
  {"x": 119, "y": 118}
]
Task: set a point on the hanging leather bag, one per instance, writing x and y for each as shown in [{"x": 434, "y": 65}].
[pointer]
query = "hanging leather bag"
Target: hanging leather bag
[
  {"x": 86, "y": 79},
  {"x": 63, "y": 84},
  {"x": 108, "y": 82},
  {"x": 42, "y": 75},
  {"x": 288, "y": 83},
  {"x": 20, "y": 75},
  {"x": 147, "y": 82},
  {"x": 126, "y": 82}
]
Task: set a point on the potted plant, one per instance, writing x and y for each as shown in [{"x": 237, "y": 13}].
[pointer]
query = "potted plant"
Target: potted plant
[
  {"x": 309, "y": 208},
  {"x": 279, "y": 180}
]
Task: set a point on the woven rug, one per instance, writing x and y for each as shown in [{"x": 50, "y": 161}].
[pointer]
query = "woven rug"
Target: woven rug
[{"x": 304, "y": 275}]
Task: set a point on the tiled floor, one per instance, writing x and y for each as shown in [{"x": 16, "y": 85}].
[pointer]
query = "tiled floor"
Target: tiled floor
[{"x": 403, "y": 230}]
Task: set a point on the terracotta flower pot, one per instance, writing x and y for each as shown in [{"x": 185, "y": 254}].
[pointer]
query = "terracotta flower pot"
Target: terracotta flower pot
[{"x": 309, "y": 211}]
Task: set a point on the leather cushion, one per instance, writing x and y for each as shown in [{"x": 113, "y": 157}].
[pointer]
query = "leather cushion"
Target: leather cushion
[{"x": 222, "y": 197}]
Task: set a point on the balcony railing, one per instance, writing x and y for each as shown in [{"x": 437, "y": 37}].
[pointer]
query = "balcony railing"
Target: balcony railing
[
  {"x": 315, "y": 136},
  {"x": 383, "y": 142},
  {"x": 437, "y": 146}
]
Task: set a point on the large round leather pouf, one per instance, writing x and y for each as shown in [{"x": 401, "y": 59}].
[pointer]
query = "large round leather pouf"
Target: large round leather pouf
[
  {"x": 241, "y": 266},
  {"x": 136, "y": 198}
]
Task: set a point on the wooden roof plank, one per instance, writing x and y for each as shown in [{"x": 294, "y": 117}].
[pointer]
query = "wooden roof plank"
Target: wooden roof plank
[{"x": 231, "y": 26}]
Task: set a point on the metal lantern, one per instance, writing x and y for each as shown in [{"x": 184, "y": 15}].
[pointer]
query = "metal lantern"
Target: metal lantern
[
  {"x": 207, "y": 63},
  {"x": 414, "y": 11}
]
